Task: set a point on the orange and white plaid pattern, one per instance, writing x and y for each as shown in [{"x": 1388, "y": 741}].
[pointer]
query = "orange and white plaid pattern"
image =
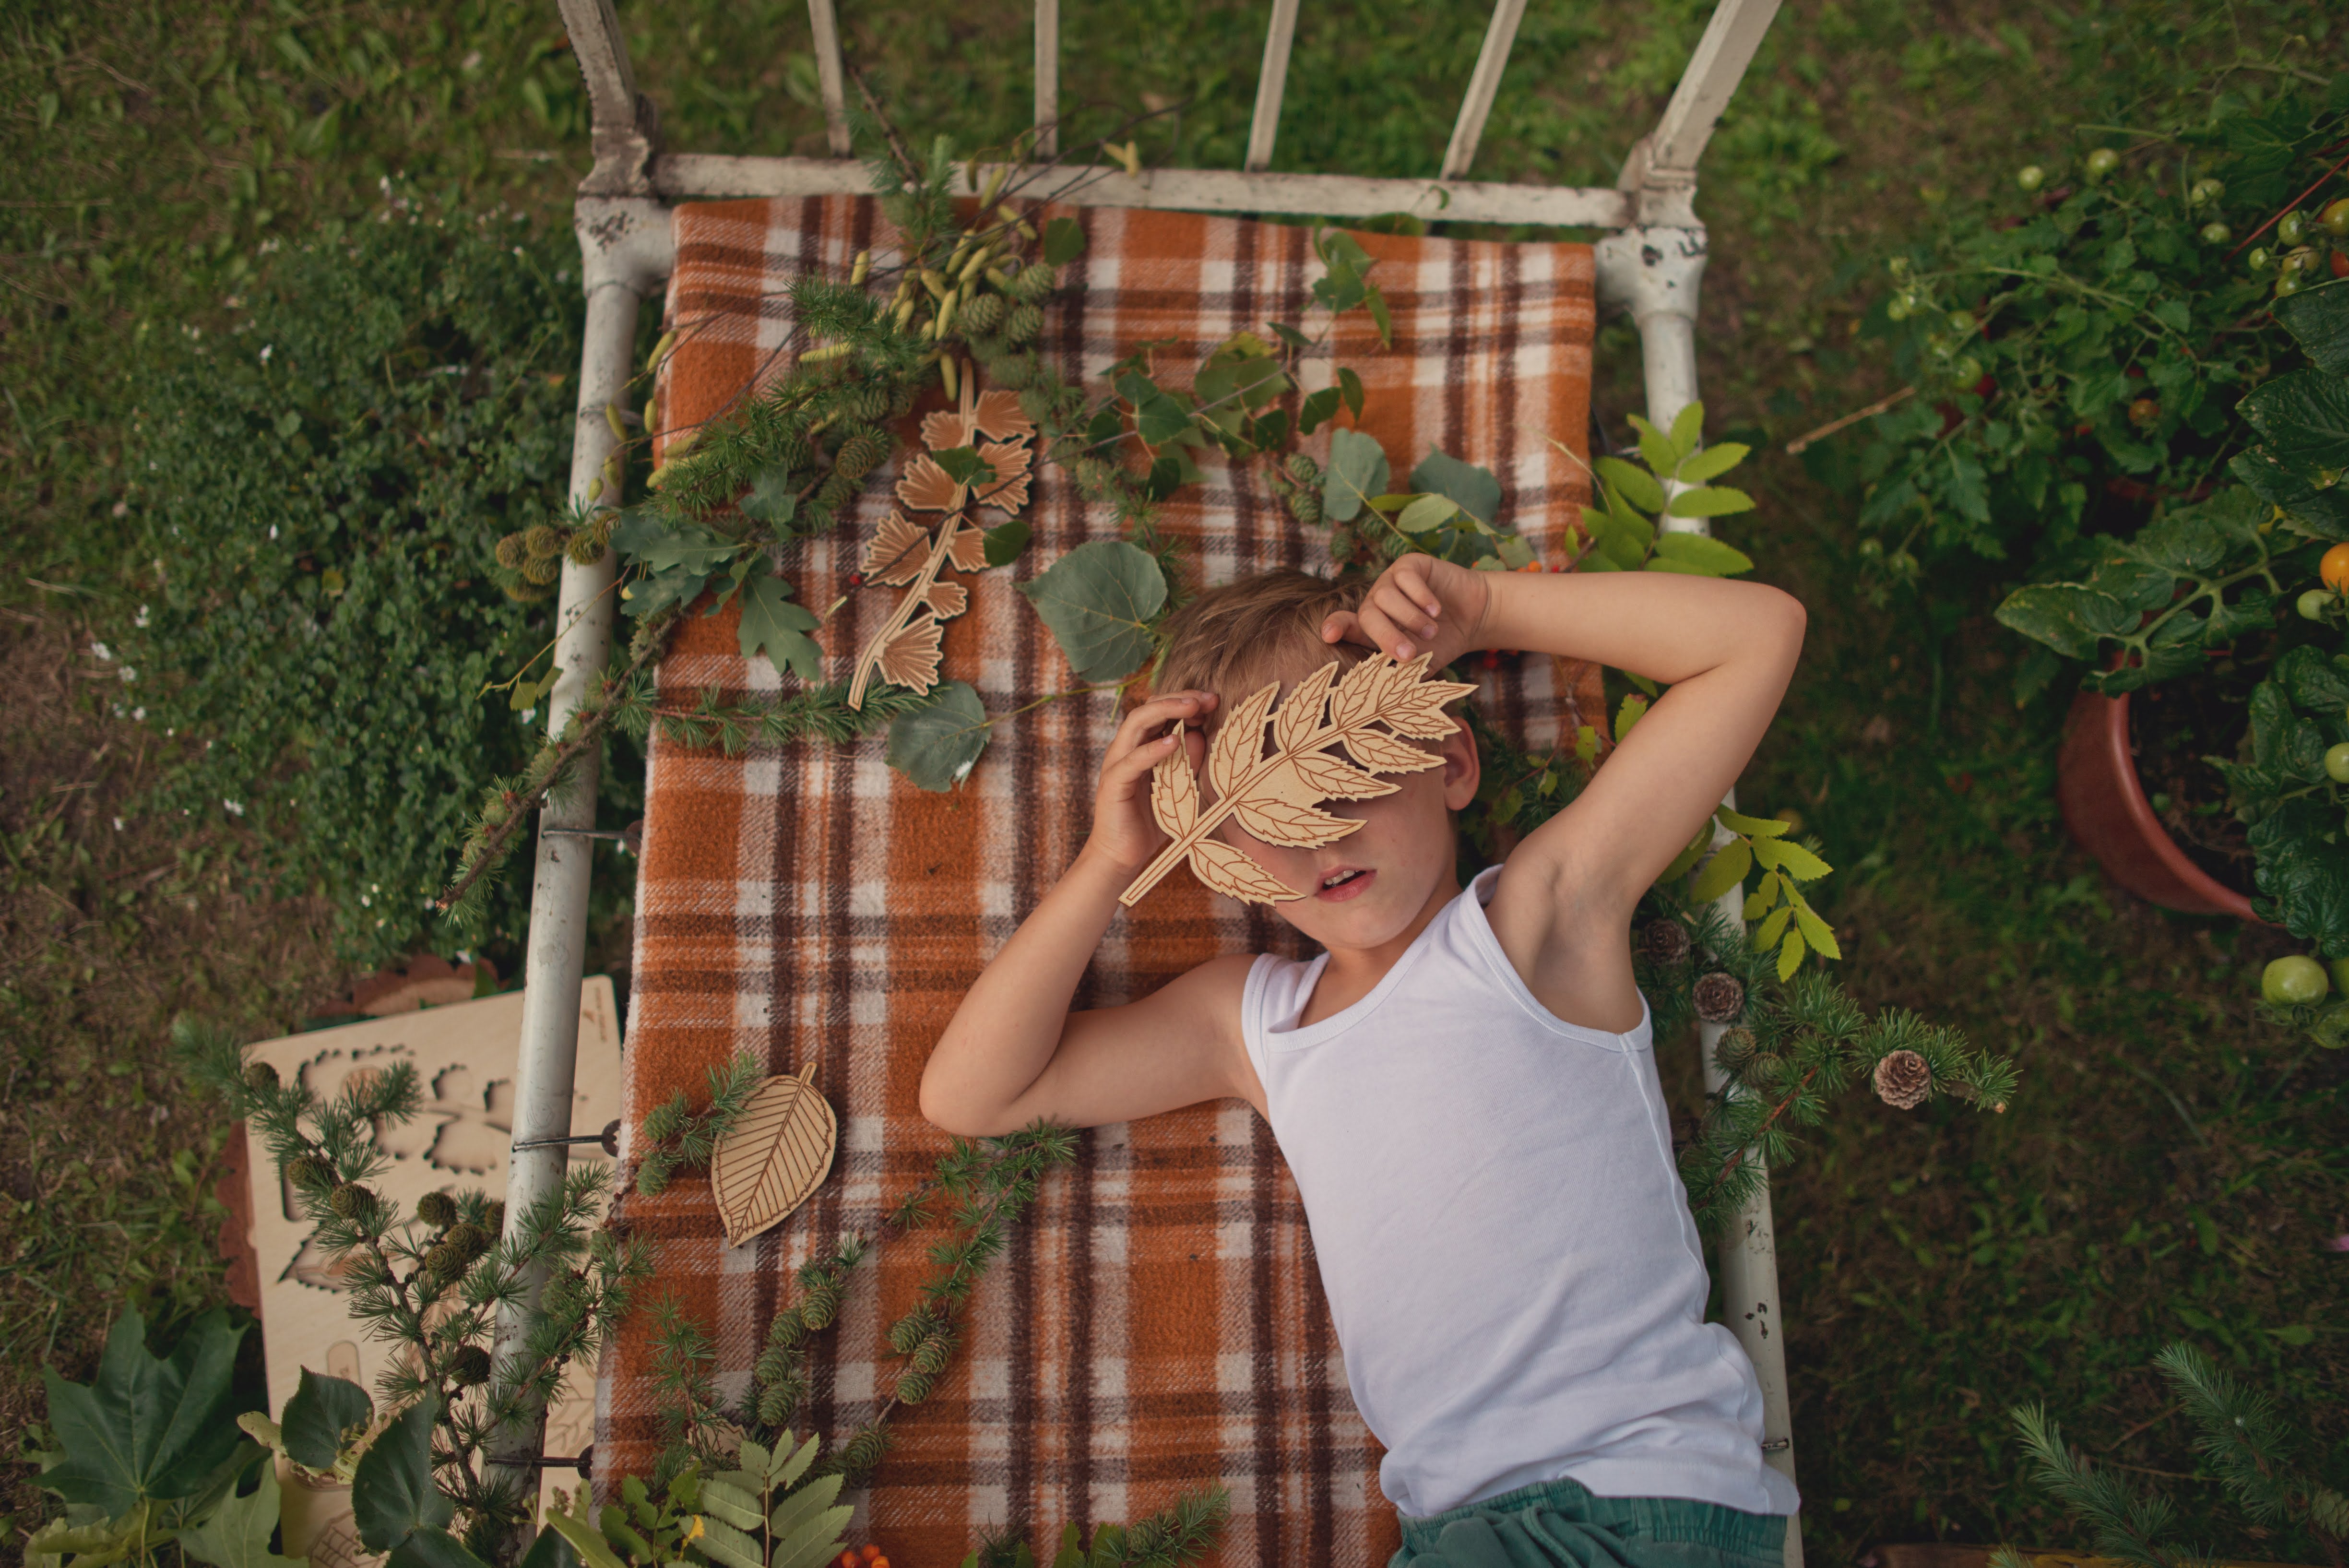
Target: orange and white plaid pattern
[{"x": 1156, "y": 1323}]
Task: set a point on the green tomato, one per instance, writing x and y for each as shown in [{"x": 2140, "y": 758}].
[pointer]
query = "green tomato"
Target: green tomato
[
  {"x": 2259, "y": 260},
  {"x": 1896, "y": 307},
  {"x": 2204, "y": 193},
  {"x": 2031, "y": 177},
  {"x": 2103, "y": 162},
  {"x": 1898, "y": 267},
  {"x": 2336, "y": 762},
  {"x": 1871, "y": 549},
  {"x": 2288, "y": 283},
  {"x": 2216, "y": 234},
  {"x": 1962, "y": 323},
  {"x": 2294, "y": 981},
  {"x": 2315, "y": 603},
  {"x": 2336, "y": 218},
  {"x": 2293, "y": 229},
  {"x": 1968, "y": 369}
]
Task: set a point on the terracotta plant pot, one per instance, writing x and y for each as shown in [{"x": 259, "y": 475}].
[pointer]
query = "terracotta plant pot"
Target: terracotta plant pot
[{"x": 2106, "y": 808}]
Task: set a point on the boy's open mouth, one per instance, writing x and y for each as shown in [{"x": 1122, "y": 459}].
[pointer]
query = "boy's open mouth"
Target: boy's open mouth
[{"x": 1346, "y": 882}]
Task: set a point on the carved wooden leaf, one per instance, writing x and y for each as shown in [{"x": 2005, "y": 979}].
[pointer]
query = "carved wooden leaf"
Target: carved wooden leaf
[
  {"x": 911, "y": 657},
  {"x": 1287, "y": 822},
  {"x": 946, "y": 599},
  {"x": 1234, "y": 875},
  {"x": 777, "y": 1151},
  {"x": 1358, "y": 692},
  {"x": 1389, "y": 754},
  {"x": 1175, "y": 794},
  {"x": 1301, "y": 710},
  {"x": 896, "y": 550},
  {"x": 998, "y": 414},
  {"x": 945, "y": 430},
  {"x": 1240, "y": 742},
  {"x": 927, "y": 487},
  {"x": 966, "y": 551},
  {"x": 1008, "y": 492},
  {"x": 1321, "y": 776}
]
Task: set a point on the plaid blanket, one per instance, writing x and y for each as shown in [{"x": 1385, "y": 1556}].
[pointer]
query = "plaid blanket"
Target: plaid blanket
[{"x": 1157, "y": 1323}]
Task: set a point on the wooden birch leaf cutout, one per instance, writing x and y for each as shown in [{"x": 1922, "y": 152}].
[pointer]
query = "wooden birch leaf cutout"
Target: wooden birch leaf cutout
[
  {"x": 909, "y": 554},
  {"x": 777, "y": 1151},
  {"x": 1330, "y": 740}
]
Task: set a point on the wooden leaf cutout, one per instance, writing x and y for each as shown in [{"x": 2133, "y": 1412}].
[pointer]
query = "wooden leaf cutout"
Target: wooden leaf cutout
[
  {"x": 947, "y": 599},
  {"x": 998, "y": 414},
  {"x": 966, "y": 551},
  {"x": 927, "y": 487},
  {"x": 776, "y": 1153},
  {"x": 1008, "y": 492},
  {"x": 1367, "y": 714},
  {"x": 910, "y": 659},
  {"x": 895, "y": 551}
]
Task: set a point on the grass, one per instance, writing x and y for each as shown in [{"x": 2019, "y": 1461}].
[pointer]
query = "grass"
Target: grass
[{"x": 2171, "y": 1169}]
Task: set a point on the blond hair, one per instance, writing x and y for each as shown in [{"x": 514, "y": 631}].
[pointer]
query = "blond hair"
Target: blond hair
[{"x": 1232, "y": 639}]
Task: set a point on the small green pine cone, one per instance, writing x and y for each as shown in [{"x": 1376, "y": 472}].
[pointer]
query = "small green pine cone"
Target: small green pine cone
[
  {"x": 792, "y": 453},
  {"x": 820, "y": 1305},
  {"x": 1026, "y": 321},
  {"x": 469, "y": 1239},
  {"x": 541, "y": 571},
  {"x": 585, "y": 547},
  {"x": 778, "y": 1400},
  {"x": 652, "y": 1177},
  {"x": 1014, "y": 370},
  {"x": 913, "y": 1387},
  {"x": 1305, "y": 505},
  {"x": 1033, "y": 283},
  {"x": 902, "y": 403},
  {"x": 309, "y": 1172},
  {"x": 1303, "y": 469},
  {"x": 862, "y": 454},
  {"x": 493, "y": 1217},
  {"x": 540, "y": 541},
  {"x": 512, "y": 552},
  {"x": 1736, "y": 1048},
  {"x": 983, "y": 314},
  {"x": 872, "y": 401},
  {"x": 350, "y": 1200},
  {"x": 1343, "y": 544},
  {"x": 930, "y": 1357},
  {"x": 469, "y": 1368},
  {"x": 865, "y": 1450},
  {"x": 836, "y": 492},
  {"x": 443, "y": 1262},
  {"x": 788, "y": 1329},
  {"x": 437, "y": 1210}
]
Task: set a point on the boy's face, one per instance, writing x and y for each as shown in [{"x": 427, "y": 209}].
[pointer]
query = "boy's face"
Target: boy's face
[{"x": 1371, "y": 887}]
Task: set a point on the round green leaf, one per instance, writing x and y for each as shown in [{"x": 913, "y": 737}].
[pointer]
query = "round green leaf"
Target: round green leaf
[
  {"x": 1100, "y": 599},
  {"x": 936, "y": 744}
]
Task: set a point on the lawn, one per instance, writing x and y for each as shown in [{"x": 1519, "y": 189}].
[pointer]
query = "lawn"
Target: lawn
[{"x": 2171, "y": 1170}]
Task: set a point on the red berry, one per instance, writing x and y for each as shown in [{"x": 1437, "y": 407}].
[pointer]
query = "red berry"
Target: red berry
[{"x": 856, "y": 579}]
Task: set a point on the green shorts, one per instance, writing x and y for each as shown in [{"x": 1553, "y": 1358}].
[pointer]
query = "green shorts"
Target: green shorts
[{"x": 1560, "y": 1524}]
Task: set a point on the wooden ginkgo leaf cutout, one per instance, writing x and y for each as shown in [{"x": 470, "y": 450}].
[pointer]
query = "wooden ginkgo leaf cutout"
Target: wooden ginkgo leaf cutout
[
  {"x": 777, "y": 1151},
  {"x": 1371, "y": 715}
]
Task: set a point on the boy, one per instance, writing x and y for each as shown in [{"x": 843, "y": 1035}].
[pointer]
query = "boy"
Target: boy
[{"x": 1462, "y": 1084}]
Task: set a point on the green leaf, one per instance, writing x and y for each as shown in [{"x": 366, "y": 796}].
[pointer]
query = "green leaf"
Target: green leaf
[
  {"x": 1632, "y": 711},
  {"x": 2317, "y": 514},
  {"x": 1064, "y": 242},
  {"x": 392, "y": 1494},
  {"x": 432, "y": 1548},
  {"x": 1686, "y": 859},
  {"x": 1726, "y": 870},
  {"x": 1634, "y": 483},
  {"x": 1656, "y": 448},
  {"x": 2303, "y": 873},
  {"x": 237, "y": 1534},
  {"x": 1377, "y": 300},
  {"x": 321, "y": 1410},
  {"x": 643, "y": 538},
  {"x": 143, "y": 1429},
  {"x": 722, "y": 1540},
  {"x": 1817, "y": 932},
  {"x": 738, "y": 1508},
  {"x": 1357, "y": 471},
  {"x": 1290, "y": 336},
  {"x": 2319, "y": 318},
  {"x": 549, "y": 1549},
  {"x": 1699, "y": 554},
  {"x": 1427, "y": 512},
  {"x": 1778, "y": 855},
  {"x": 1770, "y": 931},
  {"x": 789, "y": 1472},
  {"x": 2066, "y": 617},
  {"x": 964, "y": 465},
  {"x": 806, "y": 1531},
  {"x": 1317, "y": 411},
  {"x": 1350, "y": 387},
  {"x": 936, "y": 744},
  {"x": 1686, "y": 426},
  {"x": 1005, "y": 541},
  {"x": 1072, "y": 1554},
  {"x": 2314, "y": 681},
  {"x": 1790, "y": 956},
  {"x": 1100, "y": 600},
  {"x": 1709, "y": 501},
  {"x": 586, "y": 1541},
  {"x": 1476, "y": 490},
  {"x": 1712, "y": 462},
  {"x": 774, "y": 499},
  {"x": 2304, "y": 418},
  {"x": 771, "y": 622},
  {"x": 1752, "y": 826}
]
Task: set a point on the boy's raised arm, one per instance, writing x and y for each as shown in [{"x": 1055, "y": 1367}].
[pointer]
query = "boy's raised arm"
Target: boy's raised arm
[{"x": 1014, "y": 1052}]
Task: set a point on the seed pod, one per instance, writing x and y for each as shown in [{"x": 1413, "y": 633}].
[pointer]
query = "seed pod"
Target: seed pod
[
  {"x": 583, "y": 548},
  {"x": 512, "y": 552},
  {"x": 860, "y": 455},
  {"x": 1023, "y": 324},
  {"x": 540, "y": 541},
  {"x": 931, "y": 1355},
  {"x": 1303, "y": 469},
  {"x": 1306, "y": 507},
  {"x": 983, "y": 314},
  {"x": 819, "y": 1306},
  {"x": 542, "y": 572},
  {"x": 469, "y": 1368},
  {"x": 309, "y": 1172},
  {"x": 860, "y": 269},
  {"x": 350, "y": 1200},
  {"x": 1720, "y": 997},
  {"x": 913, "y": 1387},
  {"x": 437, "y": 1210},
  {"x": 260, "y": 1077}
]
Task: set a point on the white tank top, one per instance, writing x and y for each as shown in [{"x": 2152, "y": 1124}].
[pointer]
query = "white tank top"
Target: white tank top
[{"x": 1502, "y": 1236}]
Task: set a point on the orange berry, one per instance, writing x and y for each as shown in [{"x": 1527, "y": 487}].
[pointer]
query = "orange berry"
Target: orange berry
[
  {"x": 2333, "y": 570},
  {"x": 872, "y": 1553}
]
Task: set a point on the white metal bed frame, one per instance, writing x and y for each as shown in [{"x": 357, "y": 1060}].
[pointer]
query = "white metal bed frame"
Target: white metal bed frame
[{"x": 1650, "y": 265}]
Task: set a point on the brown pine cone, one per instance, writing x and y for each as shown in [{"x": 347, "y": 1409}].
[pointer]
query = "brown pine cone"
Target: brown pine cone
[
  {"x": 1720, "y": 997},
  {"x": 1666, "y": 943},
  {"x": 469, "y": 1368},
  {"x": 1903, "y": 1081},
  {"x": 540, "y": 541},
  {"x": 512, "y": 552}
]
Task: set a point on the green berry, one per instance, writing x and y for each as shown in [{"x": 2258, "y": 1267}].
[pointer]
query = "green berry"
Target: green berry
[
  {"x": 2294, "y": 981},
  {"x": 2336, "y": 218},
  {"x": 2259, "y": 260},
  {"x": 2287, "y": 284},
  {"x": 2336, "y": 762},
  {"x": 2204, "y": 193},
  {"x": 2292, "y": 229},
  {"x": 1968, "y": 369},
  {"x": 2216, "y": 233},
  {"x": 2103, "y": 162},
  {"x": 2031, "y": 176},
  {"x": 2315, "y": 603},
  {"x": 1962, "y": 323}
]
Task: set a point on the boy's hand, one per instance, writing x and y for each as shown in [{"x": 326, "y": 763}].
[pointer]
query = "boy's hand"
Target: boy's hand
[
  {"x": 1417, "y": 605},
  {"x": 1124, "y": 833}
]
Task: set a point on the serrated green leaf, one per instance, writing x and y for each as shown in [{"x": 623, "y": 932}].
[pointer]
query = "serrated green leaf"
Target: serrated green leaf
[
  {"x": 1776, "y": 855},
  {"x": 1697, "y": 554},
  {"x": 788, "y": 1473},
  {"x": 804, "y": 1504},
  {"x": 1696, "y": 846},
  {"x": 1655, "y": 448},
  {"x": 1686, "y": 426},
  {"x": 738, "y": 1508},
  {"x": 1817, "y": 932},
  {"x": 1752, "y": 826},
  {"x": 1756, "y": 905},
  {"x": 2319, "y": 319},
  {"x": 1711, "y": 462},
  {"x": 1064, "y": 242},
  {"x": 645, "y": 539},
  {"x": 1357, "y": 471},
  {"x": 1726, "y": 870},
  {"x": 723, "y": 1540},
  {"x": 2065, "y": 616},
  {"x": 1476, "y": 490},
  {"x": 392, "y": 1494},
  {"x": 936, "y": 744},
  {"x": 146, "y": 1430},
  {"x": 1631, "y": 482},
  {"x": 237, "y": 1534},
  {"x": 1790, "y": 955},
  {"x": 1071, "y": 1554},
  {"x": 814, "y": 1542},
  {"x": 2304, "y": 419},
  {"x": 1100, "y": 600},
  {"x": 1768, "y": 932},
  {"x": 771, "y": 622},
  {"x": 1709, "y": 501},
  {"x": 1427, "y": 512}
]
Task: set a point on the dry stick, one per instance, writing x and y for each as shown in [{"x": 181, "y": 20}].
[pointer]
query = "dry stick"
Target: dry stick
[
  {"x": 1795, "y": 448},
  {"x": 2292, "y": 205}
]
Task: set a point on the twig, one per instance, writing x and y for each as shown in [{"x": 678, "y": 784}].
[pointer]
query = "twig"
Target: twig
[
  {"x": 1795, "y": 448},
  {"x": 905, "y": 159},
  {"x": 2141, "y": 1425},
  {"x": 2291, "y": 206}
]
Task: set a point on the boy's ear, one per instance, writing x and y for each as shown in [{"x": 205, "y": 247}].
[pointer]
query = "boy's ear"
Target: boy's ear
[{"x": 1464, "y": 768}]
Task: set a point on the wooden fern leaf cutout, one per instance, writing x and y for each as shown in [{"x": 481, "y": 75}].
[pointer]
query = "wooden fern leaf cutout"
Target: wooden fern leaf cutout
[
  {"x": 776, "y": 1153},
  {"x": 1330, "y": 740},
  {"x": 904, "y": 554}
]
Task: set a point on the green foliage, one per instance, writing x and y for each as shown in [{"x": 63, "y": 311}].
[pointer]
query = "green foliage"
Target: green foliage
[
  {"x": 1625, "y": 532},
  {"x": 322, "y": 485},
  {"x": 795, "y": 1526},
  {"x": 2078, "y": 351},
  {"x": 315, "y": 1427},
  {"x": 1101, "y": 601},
  {"x": 148, "y": 1431},
  {"x": 1178, "y": 1534},
  {"x": 674, "y": 1134},
  {"x": 238, "y": 1532},
  {"x": 936, "y": 743}
]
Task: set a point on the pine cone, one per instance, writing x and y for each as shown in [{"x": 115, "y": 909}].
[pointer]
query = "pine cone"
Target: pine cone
[
  {"x": 350, "y": 1200},
  {"x": 1025, "y": 322},
  {"x": 437, "y": 1210},
  {"x": 901, "y": 402},
  {"x": 1666, "y": 943},
  {"x": 792, "y": 453},
  {"x": 493, "y": 1217},
  {"x": 913, "y": 1387},
  {"x": 778, "y": 1400},
  {"x": 443, "y": 1262},
  {"x": 908, "y": 1332},
  {"x": 873, "y": 402},
  {"x": 1306, "y": 507},
  {"x": 585, "y": 547},
  {"x": 1033, "y": 283},
  {"x": 1093, "y": 474},
  {"x": 821, "y": 1306},
  {"x": 469, "y": 1368},
  {"x": 1720, "y": 997},
  {"x": 1303, "y": 469},
  {"x": 864, "y": 1449},
  {"x": 260, "y": 1077},
  {"x": 1903, "y": 1081},
  {"x": 1036, "y": 403},
  {"x": 930, "y": 1357},
  {"x": 836, "y": 492},
  {"x": 309, "y": 1172},
  {"x": 512, "y": 552},
  {"x": 541, "y": 571},
  {"x": 523, "y": 591},
  {"x": 860, "y": 455},
  {"x": 540, "y": 541},
  {"x": 788, "y": 1329},
  {"x": 983, "y": 314},
  {"x": 470, "y": 1240},
  {"x": 1736, "y": 1049}
]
